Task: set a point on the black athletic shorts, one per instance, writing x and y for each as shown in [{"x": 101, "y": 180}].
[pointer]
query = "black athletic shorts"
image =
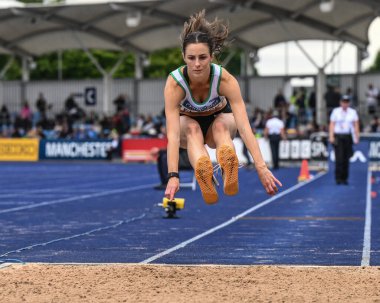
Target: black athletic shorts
[{"x": 206, "y": 121}]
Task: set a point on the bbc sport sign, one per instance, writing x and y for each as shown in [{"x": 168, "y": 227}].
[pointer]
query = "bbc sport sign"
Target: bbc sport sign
[
  {"x": 71, "y": 149},
  {"x": 374, "y": 150},
  {"x": 315, "y": 148}
]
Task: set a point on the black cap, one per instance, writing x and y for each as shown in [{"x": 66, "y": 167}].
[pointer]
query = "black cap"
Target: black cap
[{"x": 345, "y": 98}]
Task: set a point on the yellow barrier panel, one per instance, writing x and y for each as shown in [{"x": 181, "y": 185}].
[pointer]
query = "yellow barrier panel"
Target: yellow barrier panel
[{"x": 24, "y": 149}]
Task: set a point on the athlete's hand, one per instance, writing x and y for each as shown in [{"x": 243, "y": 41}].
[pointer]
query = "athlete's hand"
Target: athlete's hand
[
  {"x": 172, "y": 188},
  {"x": 269, "y": 181}
]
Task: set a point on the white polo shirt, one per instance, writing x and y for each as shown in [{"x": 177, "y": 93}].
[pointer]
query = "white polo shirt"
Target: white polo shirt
[
  {"x": 274, "y": 125},
  {"x": 344, "y": 120}
]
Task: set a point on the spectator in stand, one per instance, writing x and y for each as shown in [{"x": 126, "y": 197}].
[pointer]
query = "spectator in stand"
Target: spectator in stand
[
  {"x": 114, "y": 149},
  {"x": 63, "y": 130},
  {"x": 332, "y": 98},
  {"x": 279, "y": 101},
  {"x": 351, "y": 95},
  {"x": 257, "y": 121},
  {"x": 5, "y": 121},
  {"x": 312, "y": 103},
  {"x": 70, "y": 103},
  {"x": 371, "y": 99},
  {"x": 121, "y": 121},
  {"x": 292, "y": 111},
  {"x": 301, "y": 105},
  {"x": 73, "y": 110},
  {"x": 18, "y": 128},
  {"x": 140, "y": 123},
  {"x": 41, "y": 106},
  {"x": 26, "y": 117},
  {"x": 160, "y": 124},
  {"x": 374, "y": 126},
  {"x": 126, "y": 120},
  {"x": 106, "y": 126},
  {"x": 47, "y": 123},
  {"x": 149, "y": 129},
  {"x": 80, "y": 132},
  {"x": 120, "y": 103}
]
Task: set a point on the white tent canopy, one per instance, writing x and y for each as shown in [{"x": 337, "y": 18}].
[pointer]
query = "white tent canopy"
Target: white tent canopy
[{"x": 33, "y": 30}]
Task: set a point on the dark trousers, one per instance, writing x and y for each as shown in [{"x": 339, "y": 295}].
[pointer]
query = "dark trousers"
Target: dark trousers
[
  {"x": 162, "y": 163},
  {"x": 246, "y": 154},
  {"x": 343, "y": 153},
  {"x": 274, "y": 142}
]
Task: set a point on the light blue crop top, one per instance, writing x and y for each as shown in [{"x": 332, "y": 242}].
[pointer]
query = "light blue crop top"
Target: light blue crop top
[{"x": 214, "y": 101}]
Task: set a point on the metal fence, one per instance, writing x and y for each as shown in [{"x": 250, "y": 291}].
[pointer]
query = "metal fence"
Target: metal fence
[{"x": 146, "y": 96}]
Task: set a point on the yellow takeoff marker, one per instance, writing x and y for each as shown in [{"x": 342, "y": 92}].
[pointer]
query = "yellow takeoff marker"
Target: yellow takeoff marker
[{"x": 171, "y": 206}]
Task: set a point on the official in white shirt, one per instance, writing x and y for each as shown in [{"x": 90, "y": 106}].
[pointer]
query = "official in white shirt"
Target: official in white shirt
[
  {"x": 275, "y": 131},
  {"x": 343, "y": 132}
]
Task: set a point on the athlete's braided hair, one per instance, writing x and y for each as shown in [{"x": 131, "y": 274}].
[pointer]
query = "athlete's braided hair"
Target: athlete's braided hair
[{"x": 198, "y": 30}]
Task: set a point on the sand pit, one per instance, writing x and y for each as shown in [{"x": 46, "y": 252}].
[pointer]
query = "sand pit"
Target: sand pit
[{"x": 41, "y": 283}]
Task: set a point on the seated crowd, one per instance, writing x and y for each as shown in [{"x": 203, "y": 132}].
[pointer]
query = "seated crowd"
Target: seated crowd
[{"x": 74, "y": 123}]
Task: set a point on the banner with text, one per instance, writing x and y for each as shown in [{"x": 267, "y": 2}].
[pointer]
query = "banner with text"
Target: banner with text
[
  {"x": 75, "y": 149},
  {"x": 19, "y": 149}
]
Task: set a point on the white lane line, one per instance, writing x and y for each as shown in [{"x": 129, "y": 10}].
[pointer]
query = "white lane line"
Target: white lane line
[
  {"x": 5, "y": 265},
  {"x": 232, "y": 220},
  {"x": 87, "y": 233},
  {"x": 64, "y": 188},
  {"x": 366, "y": 255},
  {"x": 81, "y": 197}
]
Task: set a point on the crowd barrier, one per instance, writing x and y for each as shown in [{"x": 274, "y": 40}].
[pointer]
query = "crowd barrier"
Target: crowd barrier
[{"x": 140, "y": 149}]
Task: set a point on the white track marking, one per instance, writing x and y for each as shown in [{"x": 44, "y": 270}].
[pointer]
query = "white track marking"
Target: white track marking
[
  {"x": 64, "y": 187},
  {"x": 232, "y": 220},
  {"x": 81, "y": 197},
  {"x": 367, "y": 226}
]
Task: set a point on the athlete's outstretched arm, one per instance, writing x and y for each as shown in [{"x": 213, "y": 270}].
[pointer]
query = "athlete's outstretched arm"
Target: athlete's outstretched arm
[
  {"x": 173, "y": 96},
  {"x": 229, "y": 87}
]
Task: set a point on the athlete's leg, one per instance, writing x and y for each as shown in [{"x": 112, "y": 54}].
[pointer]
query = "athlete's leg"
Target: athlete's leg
[
  {"x": 220, "y": 136},
  {"x": 192, "y": 139}
]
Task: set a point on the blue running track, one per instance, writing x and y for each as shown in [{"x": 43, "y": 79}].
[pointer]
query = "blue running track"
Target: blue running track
[{"x": 107, "y": 212}]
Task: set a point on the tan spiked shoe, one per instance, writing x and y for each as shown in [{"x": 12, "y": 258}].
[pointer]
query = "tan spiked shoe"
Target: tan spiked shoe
[
  {"x": 230, "y": 164},
  {"x": 204, "y": 173}
]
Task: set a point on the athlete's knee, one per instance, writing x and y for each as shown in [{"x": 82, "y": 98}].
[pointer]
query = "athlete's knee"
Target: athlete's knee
[
  {"x": 220, "y": 127},
  {"x": 192, "y": 129}
]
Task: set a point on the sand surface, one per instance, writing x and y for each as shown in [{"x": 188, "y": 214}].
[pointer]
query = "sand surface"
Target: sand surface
[{"x": 155, "y": 283}]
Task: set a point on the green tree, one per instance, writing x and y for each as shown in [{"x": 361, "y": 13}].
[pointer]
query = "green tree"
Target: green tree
[
  {"x": 14, "y": 71},
  {"x": 31, "y": 1},
  {"x": 376, "y": 64},
  {"x": 77, "y": 65},
  {"x": 162, "y": 62}
]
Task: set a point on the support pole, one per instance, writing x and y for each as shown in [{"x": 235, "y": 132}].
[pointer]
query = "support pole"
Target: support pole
[
  {"x": 248, "y": 63},
  {"x": 107, "y": 78},
  {"x": 359, "y": 58},
  {"x": 60, "y": 65},
  {"x": 138, "y": 66},
  {"x": 321, "y": 105},
  {"x": 25, "y": 78}
]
